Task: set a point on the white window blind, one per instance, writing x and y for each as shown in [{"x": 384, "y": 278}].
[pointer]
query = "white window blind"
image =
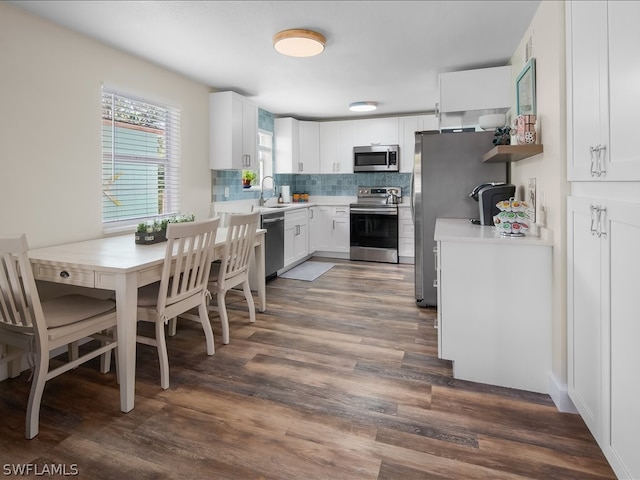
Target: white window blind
[{"x": 140, "y": 160}]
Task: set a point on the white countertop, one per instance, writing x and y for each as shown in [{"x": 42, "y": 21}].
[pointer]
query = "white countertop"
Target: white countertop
[{"x": 462, "y": 230}]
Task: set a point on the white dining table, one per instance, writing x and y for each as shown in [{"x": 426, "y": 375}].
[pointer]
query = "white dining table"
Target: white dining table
[{"x": 119, "y": 264}]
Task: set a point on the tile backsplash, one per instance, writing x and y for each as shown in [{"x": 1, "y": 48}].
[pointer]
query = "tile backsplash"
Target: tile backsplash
[{"x": 344, "y": 184}]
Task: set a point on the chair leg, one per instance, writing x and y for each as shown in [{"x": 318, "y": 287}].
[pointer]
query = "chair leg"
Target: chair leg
[
  {"x": 206, "y": 326},
  {"x": 171, "y": 329},
  {"x": 163, "y": 357},
  {"x": 73, "y": 351},
  {"x": 35, "y": 396},
  {"x": 252, "y": 306},
  {"x": 105, "y": 358},
  {"x": 224, "y": 318}
]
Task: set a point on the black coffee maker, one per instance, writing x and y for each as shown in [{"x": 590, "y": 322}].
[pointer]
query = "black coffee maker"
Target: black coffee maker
[{"x": 488, "y": 195}]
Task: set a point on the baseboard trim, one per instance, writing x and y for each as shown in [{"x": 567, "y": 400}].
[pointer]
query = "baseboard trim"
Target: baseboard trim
[{"x": 559, "y": 393}]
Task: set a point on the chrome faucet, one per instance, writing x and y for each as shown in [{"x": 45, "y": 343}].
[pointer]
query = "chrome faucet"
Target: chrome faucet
[{"x": 261, "y": 201}]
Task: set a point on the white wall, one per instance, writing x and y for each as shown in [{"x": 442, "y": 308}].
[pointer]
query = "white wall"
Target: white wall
[
  {"x": 50, "y": 127},
  {"x": 547, "y": 32}
]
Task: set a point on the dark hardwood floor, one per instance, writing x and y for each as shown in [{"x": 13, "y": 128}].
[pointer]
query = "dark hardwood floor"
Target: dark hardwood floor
[{"x": 338, "y": 379}]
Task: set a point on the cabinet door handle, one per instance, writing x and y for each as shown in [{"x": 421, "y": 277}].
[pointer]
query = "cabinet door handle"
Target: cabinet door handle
[
  {"x": 297, "y": 229},
  {"x": 334, "y": 224},
  {"x": 435, "y": 259},
  {"x": 601, "y": 222},
  {"x": 602, "y": 171},
  {"x": 594, "y": 220},
  {"x": 593, "y": 168}
]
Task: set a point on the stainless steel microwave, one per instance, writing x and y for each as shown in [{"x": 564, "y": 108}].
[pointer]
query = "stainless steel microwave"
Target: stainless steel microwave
[{"x": 376, "y": 158}]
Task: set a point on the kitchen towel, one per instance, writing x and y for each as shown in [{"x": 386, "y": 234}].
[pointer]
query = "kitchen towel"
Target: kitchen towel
[{"x": 308, "y": 271}]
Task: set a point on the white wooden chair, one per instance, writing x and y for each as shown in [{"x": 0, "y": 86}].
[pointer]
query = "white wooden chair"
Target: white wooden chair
[
  {"x": 183, "y": 286},
  {"x": 36, "y": 328},
  {"x": 233, "y": 268}
]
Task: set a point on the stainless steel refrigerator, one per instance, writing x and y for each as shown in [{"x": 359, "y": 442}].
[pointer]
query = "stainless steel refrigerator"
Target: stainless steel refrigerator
[{"x": 446, "y": 168}]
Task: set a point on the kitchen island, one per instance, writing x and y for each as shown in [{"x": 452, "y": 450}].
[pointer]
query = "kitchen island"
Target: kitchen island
[{"x": 494, "y": 305}]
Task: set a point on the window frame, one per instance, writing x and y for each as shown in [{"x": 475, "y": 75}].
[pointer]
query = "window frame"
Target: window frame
[{"x": 161, "y": 124}]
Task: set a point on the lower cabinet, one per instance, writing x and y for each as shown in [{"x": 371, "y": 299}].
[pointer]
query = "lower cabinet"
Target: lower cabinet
[
  {"x": 296, "y": 236},
  {"x": 330, "y": 229},
  {"x": 603, "y": 327},
  {"x": 406, "y": 241},
  {"x": 494, "y": 306}
]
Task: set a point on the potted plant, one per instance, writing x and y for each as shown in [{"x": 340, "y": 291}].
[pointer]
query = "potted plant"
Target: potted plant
[
  {"x": 154, "y": 231},
  {"x": 248, "y": 177}
]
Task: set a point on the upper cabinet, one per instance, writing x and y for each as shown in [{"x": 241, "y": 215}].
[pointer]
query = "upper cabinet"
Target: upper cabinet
[
  {"x": 377, "y": 131},
  {"x": 309, "y": 144},
  {"x": 337, "y": 139},
  {"x": 602, "y": 93},
  {"x": 407, "y": 128},
  {"x": 297, "y": 145},
  {"x": 481, "y": 89},
  {"x": 233, "y": 121}
]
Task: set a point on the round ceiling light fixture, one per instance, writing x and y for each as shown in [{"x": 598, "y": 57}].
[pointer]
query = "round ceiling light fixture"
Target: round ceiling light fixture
[
  {"x": 299, "y": 42},
  {"x": 363, "y": 106}
]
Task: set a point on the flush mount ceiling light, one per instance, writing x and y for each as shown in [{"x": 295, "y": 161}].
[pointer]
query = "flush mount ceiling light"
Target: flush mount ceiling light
[
  {"x": 363, "y": 106},
  {"x": 299, "y": 43}
]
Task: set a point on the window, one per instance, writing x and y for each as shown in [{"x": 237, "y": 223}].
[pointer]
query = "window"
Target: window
[
  {"x": 265, "y": 154},
  {"x": 140, "y": 160}
]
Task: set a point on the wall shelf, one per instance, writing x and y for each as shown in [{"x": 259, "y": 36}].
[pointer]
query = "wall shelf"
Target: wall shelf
[{"x": 511, "y": 153}]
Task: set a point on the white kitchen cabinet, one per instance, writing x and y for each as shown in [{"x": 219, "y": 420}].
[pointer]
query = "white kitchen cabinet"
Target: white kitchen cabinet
[
  {"x": 331, "y": 230},
  {"x": 340, "y": 229},
  {"x": 480, "y": 89},
  {"x": 287, "y": 145},
  {"x": 602, "y": 94},
  {"x": 495, "y": 327},
  {"x": 234, "y": 132},
  {"x": 337, "y": 139},
  {"x": 309, "y": 145},
  {"x": 406, "y": 241},
  {"x": 297, "y": 145},
  {"x": 377, "y": 131},
  {"x": 296, "y": 236},
  {"x": 603, "y": 327},
  {"x": 320, "y": 228},
  {"x": 407, "y": 128}
]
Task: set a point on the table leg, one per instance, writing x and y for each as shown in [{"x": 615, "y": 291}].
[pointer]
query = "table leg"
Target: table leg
[{"x": 126, "y": 306}]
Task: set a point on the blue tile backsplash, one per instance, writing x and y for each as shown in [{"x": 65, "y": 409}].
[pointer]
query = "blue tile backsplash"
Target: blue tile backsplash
[{"x": 330, "y": 185}]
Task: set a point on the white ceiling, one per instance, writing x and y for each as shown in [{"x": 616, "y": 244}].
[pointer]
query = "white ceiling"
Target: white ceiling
[{"x": 390, "y": 52}]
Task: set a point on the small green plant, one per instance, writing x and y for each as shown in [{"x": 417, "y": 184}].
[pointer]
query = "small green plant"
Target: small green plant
[
  {"x": 248, "y": 177},
  {"x": 160, "y": 224}
]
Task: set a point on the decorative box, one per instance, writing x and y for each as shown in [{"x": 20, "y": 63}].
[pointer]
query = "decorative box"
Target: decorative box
[{"x": 526, "y": 129}]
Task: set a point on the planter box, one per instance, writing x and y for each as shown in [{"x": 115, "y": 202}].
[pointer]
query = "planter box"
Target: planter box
[{"x": 151, "y": 238}]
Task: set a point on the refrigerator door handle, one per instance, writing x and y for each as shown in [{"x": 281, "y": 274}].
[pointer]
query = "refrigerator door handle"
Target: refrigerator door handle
[{"x": 413, "y": 213}]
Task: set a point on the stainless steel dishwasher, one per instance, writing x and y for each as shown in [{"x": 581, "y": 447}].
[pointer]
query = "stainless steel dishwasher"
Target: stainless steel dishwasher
[{"x": 273, "y": 223}]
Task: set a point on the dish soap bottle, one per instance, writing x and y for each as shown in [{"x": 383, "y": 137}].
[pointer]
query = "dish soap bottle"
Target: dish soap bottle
[{"x": 280, "y": 200}]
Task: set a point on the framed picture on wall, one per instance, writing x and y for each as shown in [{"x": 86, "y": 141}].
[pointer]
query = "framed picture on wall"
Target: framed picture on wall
[{"x": 526, "y": 89}]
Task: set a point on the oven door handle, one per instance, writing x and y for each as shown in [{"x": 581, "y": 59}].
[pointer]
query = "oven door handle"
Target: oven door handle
[{"x": 377, "y": 211}]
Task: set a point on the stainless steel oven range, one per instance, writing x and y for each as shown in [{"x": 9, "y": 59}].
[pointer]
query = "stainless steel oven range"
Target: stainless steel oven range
[{"x": 374, "y": 224}]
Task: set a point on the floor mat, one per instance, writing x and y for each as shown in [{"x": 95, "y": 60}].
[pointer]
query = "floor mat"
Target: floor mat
[{"x": 308, "y": 271}]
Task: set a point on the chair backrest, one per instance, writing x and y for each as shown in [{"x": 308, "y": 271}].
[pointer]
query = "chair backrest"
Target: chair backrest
[
  {"x": 20, "y": 307},
  {"x": 241, "y": 234},
  {"x": 224, "y": 210},
  {"x": 187, "y": 263}
]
